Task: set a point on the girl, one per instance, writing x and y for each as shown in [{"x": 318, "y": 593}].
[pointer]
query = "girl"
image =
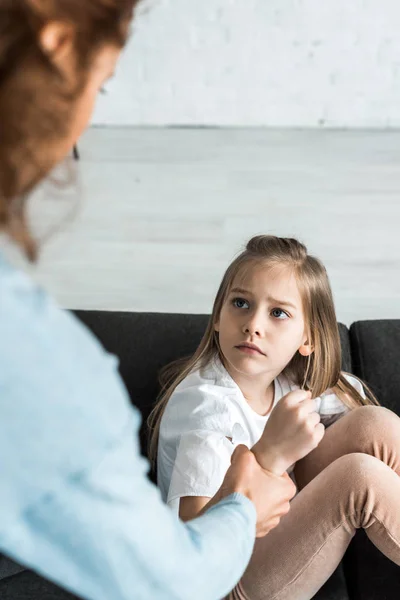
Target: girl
[{"x": 267, "y": 375}]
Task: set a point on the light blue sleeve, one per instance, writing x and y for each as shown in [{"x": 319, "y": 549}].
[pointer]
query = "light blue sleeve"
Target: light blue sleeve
[
  {"x": 77, "y": 506},
  {"x": 107, "y": 534}
]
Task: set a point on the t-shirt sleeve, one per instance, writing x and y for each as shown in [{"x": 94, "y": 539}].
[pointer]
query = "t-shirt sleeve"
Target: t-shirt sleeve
[
  {"x": 332, "y": 408},
  {"x": 202, "y": 421},
  {"x": 202, "y": 460}
]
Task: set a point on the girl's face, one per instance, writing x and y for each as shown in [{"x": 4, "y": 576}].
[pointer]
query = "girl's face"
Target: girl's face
[{"x": 263, "y": 308}]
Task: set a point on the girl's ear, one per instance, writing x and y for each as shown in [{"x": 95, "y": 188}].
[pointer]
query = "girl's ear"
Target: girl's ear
[
  {"x": 306, "y": 349},
  {"x": 216, "y": 326}
]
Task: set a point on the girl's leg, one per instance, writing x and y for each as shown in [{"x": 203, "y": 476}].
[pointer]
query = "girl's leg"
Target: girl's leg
[
  {"x": 295, "y": 559},
  {"x": 374, "y": 430}
]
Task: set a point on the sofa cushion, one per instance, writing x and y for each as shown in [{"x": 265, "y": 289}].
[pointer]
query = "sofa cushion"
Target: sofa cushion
[
  {"x": 376, "y": 356},
  {"x": 29, "y": 586},
  {"x": 8, "y": 567}
]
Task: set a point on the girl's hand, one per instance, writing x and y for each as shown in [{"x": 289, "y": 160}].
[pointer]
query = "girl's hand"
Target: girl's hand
[{"x": 292, "y": 431}]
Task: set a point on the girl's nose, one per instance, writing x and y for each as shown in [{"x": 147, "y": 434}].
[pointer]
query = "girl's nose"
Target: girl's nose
[{"x": 252, "y": 330}]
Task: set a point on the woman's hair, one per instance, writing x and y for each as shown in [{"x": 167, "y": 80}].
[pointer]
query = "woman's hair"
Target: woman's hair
[
  {"x": 36, "y": 102},
  {"x": 318, "y": 372}
]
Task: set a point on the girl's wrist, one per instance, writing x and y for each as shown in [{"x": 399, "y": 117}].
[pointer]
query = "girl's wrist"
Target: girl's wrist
[{"x": 270, "y": 458}]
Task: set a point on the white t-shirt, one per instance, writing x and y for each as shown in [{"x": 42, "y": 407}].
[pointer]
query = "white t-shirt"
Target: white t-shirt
[{"x": 206, "y": 409}]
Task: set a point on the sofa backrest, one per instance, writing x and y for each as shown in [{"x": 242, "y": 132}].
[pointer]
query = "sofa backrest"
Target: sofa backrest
[
  {"x": 375, "y": 348},
  {"x": 145, "y": 342}
]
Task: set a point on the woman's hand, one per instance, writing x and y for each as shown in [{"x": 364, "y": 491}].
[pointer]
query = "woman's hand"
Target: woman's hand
[
  {"x": 292, "y": 431},
  {"x": 269, "y": 493}
]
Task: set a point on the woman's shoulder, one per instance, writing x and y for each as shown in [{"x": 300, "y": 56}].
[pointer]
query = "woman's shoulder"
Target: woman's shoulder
[
  {"x": 44, "y": 348},
  {"x": 55, "y": 377},
  {"x": 46, "y": 338}
]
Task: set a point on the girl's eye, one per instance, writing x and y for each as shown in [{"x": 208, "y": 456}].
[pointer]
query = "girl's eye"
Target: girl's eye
[
  {"x": 278, "y": 313},
  {"x": 239, "y": 302}
]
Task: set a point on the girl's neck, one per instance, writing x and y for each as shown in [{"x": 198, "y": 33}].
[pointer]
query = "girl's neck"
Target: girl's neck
[
  {"x": 262, "y": 405},
  {"x": 259, "y": 393}
]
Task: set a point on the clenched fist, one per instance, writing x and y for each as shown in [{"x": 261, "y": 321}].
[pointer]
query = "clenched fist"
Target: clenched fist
[{"x": 291, "y": 432}]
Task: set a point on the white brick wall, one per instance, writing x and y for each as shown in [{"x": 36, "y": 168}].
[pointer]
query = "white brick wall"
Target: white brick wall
[{"x": 329, "y": 63}]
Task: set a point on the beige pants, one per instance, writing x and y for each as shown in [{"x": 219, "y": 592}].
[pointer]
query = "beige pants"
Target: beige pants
[{"x": 351, "y": 480}]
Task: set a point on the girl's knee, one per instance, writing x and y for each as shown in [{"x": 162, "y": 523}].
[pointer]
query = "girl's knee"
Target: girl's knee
[
  {"x": 358, "y": 471},
  {"x": 362, "y": 482},
  {"x": 369, "y": 421}
]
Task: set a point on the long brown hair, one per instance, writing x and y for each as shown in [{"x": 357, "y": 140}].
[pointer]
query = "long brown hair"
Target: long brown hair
[
  {"x": 318, "y": 372},
  {"x": 36, "y": 102}
]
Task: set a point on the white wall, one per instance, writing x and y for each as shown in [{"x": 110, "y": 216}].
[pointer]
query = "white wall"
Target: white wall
[
  {"x": 162, "y": 212},
  {"x": 330, "y": 63}
]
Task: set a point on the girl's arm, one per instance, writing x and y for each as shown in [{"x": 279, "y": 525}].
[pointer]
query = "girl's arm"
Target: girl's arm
[{"x": 191, "y": 507}]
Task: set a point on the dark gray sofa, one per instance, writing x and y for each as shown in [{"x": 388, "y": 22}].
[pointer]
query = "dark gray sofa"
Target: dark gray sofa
[{"x": 145, "y": 342}]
